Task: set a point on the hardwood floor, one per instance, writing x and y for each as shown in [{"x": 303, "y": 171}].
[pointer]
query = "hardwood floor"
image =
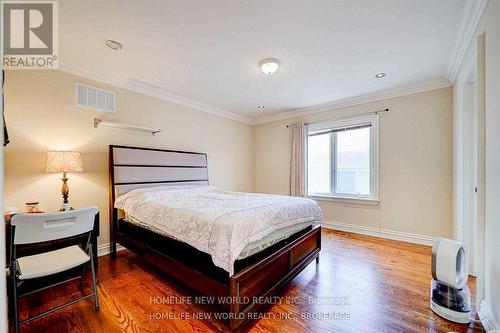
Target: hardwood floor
[{"x": 369, "y": 285}]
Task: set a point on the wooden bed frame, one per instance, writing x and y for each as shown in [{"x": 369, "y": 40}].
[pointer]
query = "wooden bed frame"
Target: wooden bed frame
[{"x": 262, "y": 275}]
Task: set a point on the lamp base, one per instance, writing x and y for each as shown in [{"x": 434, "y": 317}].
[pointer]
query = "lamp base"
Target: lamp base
[
  {"x": 65, "y": 194},
  {"x": 65, "y": 207}
]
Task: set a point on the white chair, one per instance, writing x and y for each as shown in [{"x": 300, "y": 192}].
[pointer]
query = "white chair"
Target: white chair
[{"x": 36, "y": 228}]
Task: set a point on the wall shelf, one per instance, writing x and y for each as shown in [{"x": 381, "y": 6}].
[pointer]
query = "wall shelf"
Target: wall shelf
[{"x": 99, "y": 122}]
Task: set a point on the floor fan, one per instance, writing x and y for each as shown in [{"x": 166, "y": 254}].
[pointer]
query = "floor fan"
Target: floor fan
[{"x": 450, "y": 295}]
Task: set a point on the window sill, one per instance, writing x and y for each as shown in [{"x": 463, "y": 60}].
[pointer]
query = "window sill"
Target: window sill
[{"x": 362, "y": 201}]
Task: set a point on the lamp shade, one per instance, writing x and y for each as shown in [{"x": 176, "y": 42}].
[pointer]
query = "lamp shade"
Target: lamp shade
[{"x": 63, "y": 161}]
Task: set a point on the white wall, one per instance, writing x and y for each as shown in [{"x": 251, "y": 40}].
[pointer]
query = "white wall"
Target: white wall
[
  {"x": 41, "y": 115},
  {"x": 415, "y": 186},
  {"x": 490, "y": 92}
]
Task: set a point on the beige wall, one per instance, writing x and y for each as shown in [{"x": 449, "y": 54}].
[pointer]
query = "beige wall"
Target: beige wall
[
  {"x": 415, "y": 151},
  {"x": 415, "y": 182},
  {"x": 41, "y": 115}
]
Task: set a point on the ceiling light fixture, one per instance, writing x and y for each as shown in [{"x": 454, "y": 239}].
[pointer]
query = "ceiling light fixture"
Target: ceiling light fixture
[
  {"x": 269, "y": 66},
  {"x": 260, "y": 106},
  {"x": 114, "y": 45},
  {"x": 380, "y": 75}
]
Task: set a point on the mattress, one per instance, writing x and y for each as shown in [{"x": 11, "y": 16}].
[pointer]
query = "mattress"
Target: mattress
[
  {"x": 250, "y": 249},
  {"x": 225, "y": 225},
  {"x": 271, "y": 239}
]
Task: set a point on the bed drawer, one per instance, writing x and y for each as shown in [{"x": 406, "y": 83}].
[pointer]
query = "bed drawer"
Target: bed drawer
[
  {"x": 264, "y": 278},
  {"x": 303, "y": 249},
  {"x": 281, "y": 266}
]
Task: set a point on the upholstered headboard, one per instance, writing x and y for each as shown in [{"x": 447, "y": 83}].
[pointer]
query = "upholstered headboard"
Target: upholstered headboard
[{"x": 134, "y": 167}]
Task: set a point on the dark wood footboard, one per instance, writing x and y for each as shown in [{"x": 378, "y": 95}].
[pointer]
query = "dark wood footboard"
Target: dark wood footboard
[
  {"x": 268, "y": 276},
  {"x": 263, "y": 278}
]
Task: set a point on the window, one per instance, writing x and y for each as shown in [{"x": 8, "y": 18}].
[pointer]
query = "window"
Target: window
[{"x": 342, "y": 158}]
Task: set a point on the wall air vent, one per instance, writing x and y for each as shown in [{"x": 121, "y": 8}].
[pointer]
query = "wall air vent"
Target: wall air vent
[{"x": 95, "y": 98}]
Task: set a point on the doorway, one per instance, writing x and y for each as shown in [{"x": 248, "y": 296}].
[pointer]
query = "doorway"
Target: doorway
[{"x": 469, "y": 167}]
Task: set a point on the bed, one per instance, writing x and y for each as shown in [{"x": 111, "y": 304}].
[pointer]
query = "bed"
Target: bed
[{"x": 239, "y": 246}]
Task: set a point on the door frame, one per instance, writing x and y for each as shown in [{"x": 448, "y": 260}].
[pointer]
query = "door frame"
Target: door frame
[{"x": 469, "y": 160}]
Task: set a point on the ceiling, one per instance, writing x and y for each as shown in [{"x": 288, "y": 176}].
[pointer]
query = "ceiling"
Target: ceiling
[{"x": 206, "y": 53}]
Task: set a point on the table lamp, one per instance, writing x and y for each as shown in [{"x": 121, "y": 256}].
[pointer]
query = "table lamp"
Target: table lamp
[{"x": 64, "y": 161}]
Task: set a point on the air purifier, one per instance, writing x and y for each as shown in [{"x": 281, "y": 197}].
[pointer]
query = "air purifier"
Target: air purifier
[{"x": 450, "y": 295}]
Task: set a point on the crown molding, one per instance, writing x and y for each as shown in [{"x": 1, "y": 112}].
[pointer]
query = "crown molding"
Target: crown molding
[
  {"x": 473, "y": 12},
  {"x": 363, "y": 99},
  {"x": 147, "y": 89},
  {"x": 156, "y": 92}
]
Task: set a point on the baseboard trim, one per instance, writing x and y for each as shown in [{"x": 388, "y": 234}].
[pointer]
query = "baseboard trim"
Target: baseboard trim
[
  {"x": 104, "y": 249},
  {"x": 486, "y": 317},
  {"x": 381, "y": 233}
]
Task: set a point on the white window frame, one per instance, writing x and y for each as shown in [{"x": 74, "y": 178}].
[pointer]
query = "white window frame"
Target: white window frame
[{"x": 373, "y": 120}]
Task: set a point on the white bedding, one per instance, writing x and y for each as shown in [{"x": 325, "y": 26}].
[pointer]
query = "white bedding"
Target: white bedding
[{"x": 214, "y": 221}]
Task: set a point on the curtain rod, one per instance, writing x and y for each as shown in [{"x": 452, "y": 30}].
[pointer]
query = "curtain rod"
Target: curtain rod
[{"x": 359, "y": 114}]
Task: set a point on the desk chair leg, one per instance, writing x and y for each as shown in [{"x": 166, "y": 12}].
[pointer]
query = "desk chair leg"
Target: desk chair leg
[
  {"x": 96, "y": 299},
  {"x": 14, "y": 295},
  {"x": 84, "y": 270}
]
